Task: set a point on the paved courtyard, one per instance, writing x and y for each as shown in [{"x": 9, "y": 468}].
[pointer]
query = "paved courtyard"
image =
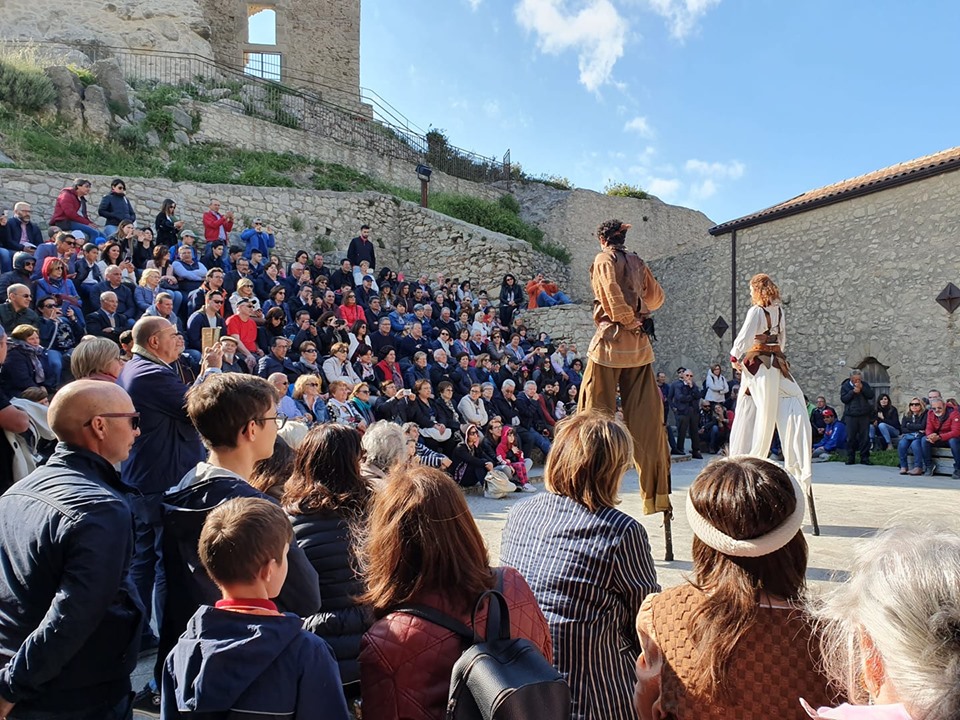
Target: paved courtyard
[{"x": 852, "y": 502}]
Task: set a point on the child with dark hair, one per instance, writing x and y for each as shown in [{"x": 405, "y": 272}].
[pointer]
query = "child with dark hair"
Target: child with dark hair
[{"x": 243, "y": 656}]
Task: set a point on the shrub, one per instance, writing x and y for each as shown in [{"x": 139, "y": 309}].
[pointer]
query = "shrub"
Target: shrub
[
  {"x": 555, "y": 181},
  {"x": 296, "y": 223},
  {"x": 24, "y": 86},
  {"x": 85, "y": 75},
  {"x": 324, "y": 244},
  {"x": 157, "y": 97},
  {"x": 160, "y": 120},
  {"x": 625, "y": 190},
  {"x": 132, "y": 136},
  {"x": 509, "y": 203}
]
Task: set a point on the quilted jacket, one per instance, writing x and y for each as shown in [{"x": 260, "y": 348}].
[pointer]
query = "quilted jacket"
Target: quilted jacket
[{"x": 405, "y": 662}]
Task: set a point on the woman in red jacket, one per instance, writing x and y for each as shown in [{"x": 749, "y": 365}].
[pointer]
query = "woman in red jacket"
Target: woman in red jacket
[
  {"x": 424, "y": 547},
  {"x": 350, "y": 312}
]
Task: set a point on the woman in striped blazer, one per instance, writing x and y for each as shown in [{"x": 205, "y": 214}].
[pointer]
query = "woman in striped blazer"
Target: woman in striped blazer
[{"x": 588, "y": 564}]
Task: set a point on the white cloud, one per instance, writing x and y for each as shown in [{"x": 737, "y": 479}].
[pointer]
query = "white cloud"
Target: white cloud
[
  {"x": 640, "y": 126},
  {"x": 703, "y": 190},
  {"x": 597, "y": 33},
  {"x": 663, "y": 188},
  {"x": 474, "y": 4},
  {"x": 682, "y": 15},
  {"x": 491, "y": 108},
  {"x": 732, "y": 170}
]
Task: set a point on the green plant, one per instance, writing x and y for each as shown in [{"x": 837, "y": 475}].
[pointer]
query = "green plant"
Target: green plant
[
  {"x": 85, "y": 75},
  {"x": 197, "y": 119},
  {"x": 23, "y": 85},
  {"x": 115, "y": 108},
  {"x": 156, "y": 96},
  {"x": 625, "y": 190},
  {"x": 132, "y": 136},
  {"x": 509, "y": 203},
  {"x": 296, "y": 223},
  {"x": 555, "y": 181},
  {"x": 162, "y": 121},
  {"x": 324, "y": 244}
]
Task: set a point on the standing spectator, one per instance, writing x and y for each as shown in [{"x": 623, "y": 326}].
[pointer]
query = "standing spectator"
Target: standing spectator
[
  {"x": 943, "y": 430},
  {"x": 167, "y": 225},
  {"x": 857, "y": 398},
  {"x": 361, "y": 248},
  {"x": 70, "y": 211},
  {"x": 588, "y": 564},
  {"x": 115, "y": 207},
  {"x": 258, "y": 238},
  {"x": 914, "y": 427},
  {"x": 215, "y": 225},
  {"x": 326, "y": 498},
  {"x": 685, "y": 401},
  {"x": 885, "y": 427},
  {"x": 441, "y": 562},
  {"x": 167, "y": 449},
  {"x": 69, "y": 614},
  {"x": 716, "y": 385}
]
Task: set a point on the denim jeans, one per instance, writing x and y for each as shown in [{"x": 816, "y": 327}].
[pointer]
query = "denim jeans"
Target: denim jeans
[
  {"x": 912, "y": 441},
  {"x": 6, "y": 260},
  {"x": 544, "y": 300},
  {"x": 92, "y": 233},
  {"x": 122, "y": 710},
  {"x": 532, "y": 437},
  {"x": 953, "y": 443},
  {"x": 888, "y": 432},
  {"x": 54, "y": 365}
]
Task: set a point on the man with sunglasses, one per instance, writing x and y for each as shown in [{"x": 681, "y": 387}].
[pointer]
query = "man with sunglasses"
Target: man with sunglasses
[
  {"x": 168, "y": 447},
  {"x": 64, "y": 246},
  {"x": 207, "y": 316},
  {"x": 16, "y": 310},
  {"x": 69, "y": 614}
]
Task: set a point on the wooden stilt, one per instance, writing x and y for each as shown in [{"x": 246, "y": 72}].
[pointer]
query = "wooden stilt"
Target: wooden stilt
[
  {"x": 813, "y": 511},
  {"x": 667, "y": 536}
]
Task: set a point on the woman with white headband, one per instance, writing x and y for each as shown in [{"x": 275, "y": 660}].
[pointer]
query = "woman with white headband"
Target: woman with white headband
[{"x": 735, "y": 641}]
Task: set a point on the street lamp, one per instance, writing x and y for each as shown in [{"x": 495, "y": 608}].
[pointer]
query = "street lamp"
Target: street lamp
[{"x": 424, "y": 172}]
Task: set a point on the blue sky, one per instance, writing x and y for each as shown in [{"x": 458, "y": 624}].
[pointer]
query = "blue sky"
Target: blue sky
[{"x": 726, "y": 106}]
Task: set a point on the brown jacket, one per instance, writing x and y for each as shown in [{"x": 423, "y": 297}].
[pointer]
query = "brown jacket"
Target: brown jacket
[{"x": 624, "y": 289}]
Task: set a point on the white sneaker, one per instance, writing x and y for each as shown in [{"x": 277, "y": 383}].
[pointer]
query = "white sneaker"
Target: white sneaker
[{"x": 529, "y": 488}]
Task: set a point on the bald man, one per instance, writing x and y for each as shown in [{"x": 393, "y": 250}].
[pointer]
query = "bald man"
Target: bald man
[
  {"x": 168, "y": 447},
  {"x": 69, "y": 613}
]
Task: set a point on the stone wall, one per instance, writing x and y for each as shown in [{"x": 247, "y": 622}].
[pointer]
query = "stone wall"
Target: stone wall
[
  {"x": 340, "y": 138},
  {"x": 409, "y": 238},
  {"x": 859, "y": 280},
  {"x": 573, "y": 323},
  {"x": 571, "y": 217}
]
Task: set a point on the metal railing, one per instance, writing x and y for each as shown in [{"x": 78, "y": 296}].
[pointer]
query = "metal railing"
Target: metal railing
[{"x": 358, "y": 117}]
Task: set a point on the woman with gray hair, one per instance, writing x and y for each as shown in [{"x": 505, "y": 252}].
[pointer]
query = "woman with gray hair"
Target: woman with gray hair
[
  {"x": 96, "y": 358},
  {"x": 891, "y": 632},
  {"x": 384, "y": 447}
]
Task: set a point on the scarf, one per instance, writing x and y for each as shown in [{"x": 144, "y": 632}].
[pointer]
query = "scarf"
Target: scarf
[{"x": 33, "y": 354}]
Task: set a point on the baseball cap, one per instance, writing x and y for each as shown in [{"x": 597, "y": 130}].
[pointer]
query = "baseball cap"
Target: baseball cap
[
  {"x": 828, "y": 413},
  {"x": 257, "y": 221},
  {"x": 368, "y": 278},
  {"x": 78, "y": 234},
  {"x": 188, "y": 233},
  {"x": 243, "y": 301}
]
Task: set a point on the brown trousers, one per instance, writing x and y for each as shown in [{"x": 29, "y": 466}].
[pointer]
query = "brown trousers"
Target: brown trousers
[{"x": 643, "y": 415}]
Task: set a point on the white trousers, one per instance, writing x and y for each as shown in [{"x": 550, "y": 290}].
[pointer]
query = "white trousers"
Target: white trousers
[{"x": 774, "y": 403}]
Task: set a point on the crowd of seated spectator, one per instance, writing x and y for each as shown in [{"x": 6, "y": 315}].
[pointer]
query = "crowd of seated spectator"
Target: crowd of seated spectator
[{"x": 373, "y": 345}]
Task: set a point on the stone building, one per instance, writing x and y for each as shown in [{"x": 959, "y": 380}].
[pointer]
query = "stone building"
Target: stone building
[
  {"x": 860, "y": 264},
  {"x": 302, "y": 43}
]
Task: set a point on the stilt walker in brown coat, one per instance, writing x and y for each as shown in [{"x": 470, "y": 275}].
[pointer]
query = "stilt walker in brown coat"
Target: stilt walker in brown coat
[{"x": 620, "y": 355}]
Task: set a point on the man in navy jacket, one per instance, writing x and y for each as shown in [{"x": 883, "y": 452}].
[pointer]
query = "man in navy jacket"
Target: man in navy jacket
[
  {"x": 169, "y": 445},
  {"x": 69, "y": 615}
]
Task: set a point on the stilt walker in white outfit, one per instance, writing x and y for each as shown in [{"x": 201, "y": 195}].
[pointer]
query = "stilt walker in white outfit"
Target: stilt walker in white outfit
[{"x": 770, "y": 398}]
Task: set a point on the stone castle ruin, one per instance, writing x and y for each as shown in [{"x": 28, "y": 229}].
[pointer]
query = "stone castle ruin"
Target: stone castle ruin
[{"x": 311, "y": 44}]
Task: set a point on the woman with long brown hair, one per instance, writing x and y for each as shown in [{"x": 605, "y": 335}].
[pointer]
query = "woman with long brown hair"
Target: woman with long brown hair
[
  {"x": 770, "y": 398},
  {"x": 423, "y": 547},
  {"x": 735, "y": 641},
  {"x": 326, "y": 498}
]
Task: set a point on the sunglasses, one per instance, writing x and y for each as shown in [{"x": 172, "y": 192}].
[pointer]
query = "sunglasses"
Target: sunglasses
[
  {"x": 915, "y": 404},
  {"x": 133, "y": 417},
  {"x": 47, "y": 306}
]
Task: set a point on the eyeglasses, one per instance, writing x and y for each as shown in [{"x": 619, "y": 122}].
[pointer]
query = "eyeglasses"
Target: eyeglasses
[
  {"x": 47, "y": 306},
  {"x": 363, "y": 392},
  {"x": 280, "y": 419},
  {"x": 688, "y": 375},
  {"x": 915, "y": 404},
  {"x": 313, "y": 385},
  {"x": 308, "y": 350},
  {"x": 133, "y": 417}
]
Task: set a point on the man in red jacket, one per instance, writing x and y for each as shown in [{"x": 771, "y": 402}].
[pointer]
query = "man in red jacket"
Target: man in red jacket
[
  {"x": 70, "y": 211},
  {"x": 943, "y": 430},
  {"x": 215, "y": 225}
]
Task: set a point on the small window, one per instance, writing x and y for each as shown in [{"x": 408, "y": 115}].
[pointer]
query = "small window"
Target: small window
[
  {"x": 262, "y": 65},
  {"x": 261, "y": 25},
  {"x": 876, "y": 376}
]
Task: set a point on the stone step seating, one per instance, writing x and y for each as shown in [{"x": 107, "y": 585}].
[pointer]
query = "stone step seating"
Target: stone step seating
[{"x": 943, "y": 459}]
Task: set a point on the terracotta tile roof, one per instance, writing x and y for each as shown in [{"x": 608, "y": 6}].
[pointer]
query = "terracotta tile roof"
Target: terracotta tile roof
[{"x": 906, "y": 172}]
